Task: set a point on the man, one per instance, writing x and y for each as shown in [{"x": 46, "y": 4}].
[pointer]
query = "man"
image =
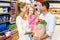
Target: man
[{"x": 49, "y": 18}]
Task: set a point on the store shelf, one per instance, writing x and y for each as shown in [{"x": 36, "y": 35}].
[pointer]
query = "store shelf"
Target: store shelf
[
  {"x": 4, "y": 1},
  {"x": 57, "y": 15},
  {"x": 14, "y": 33},
  {"x": 8, "y": 1},
  {"x": 4, "y": 4},
  {"x": 58, "y": 22},
  {"x": 7, "y": 30},
  {"x": 4, "y": 13},
  {"x": 54, "y": 1},
  {"x": 14, "y": 1},
  {"x": 55, "y": 7},
  {"x": 4, "y": 22},
  {"x": 13, "y": 37},
  {"x": 4, "y": 31},
  {"x": 55, "y": 10}
]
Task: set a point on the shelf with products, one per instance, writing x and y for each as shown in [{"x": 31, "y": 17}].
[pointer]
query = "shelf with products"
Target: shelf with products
[
  {"x": 7, "y": 28},
  {"x": 13, "y": 37},
  {"x": 4, "y": 18},
  {"x": 58, "y": 22},
  {"x": 11, "y": 33},
  {"x": 13, "y": 13},
  {"x": 4, "y": 22},
  {"x": 55, "y": 10},
  {"x": 5, "y": 0},
  {"x": 2, "y": 4},
  {"x": 11, "y": 29},
  {"x": 14, "y": 1},
  {"x": 10, "y": 26},
  {"x": 57, "y": 15},
  {"x": 3, "y": 10},
  {"x": 4, "y": 13},
  {"x": 8, "y": 1}
]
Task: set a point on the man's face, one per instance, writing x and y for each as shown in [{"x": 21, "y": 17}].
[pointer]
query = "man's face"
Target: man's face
[{"x": 42, "y": 7}]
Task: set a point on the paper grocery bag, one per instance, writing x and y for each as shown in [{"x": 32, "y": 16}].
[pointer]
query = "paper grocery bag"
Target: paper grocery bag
[{"x": 39, "y": 30}]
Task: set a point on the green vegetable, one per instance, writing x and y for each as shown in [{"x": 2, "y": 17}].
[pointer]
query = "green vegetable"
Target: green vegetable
[
  {"x": 42, "y": 22},
  {"x": 11, "y": 26}
]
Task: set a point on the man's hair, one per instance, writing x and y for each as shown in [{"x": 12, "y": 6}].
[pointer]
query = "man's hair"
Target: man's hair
[{"x": 45, "y": 3}]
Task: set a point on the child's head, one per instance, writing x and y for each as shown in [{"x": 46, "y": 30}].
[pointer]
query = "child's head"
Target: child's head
[
  {"x": 31, "y": 10},
  {"x": 22, "y": 7}
]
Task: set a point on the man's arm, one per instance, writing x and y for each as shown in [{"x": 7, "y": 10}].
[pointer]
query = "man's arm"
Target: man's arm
[
  {"x": 44, "y": 36},
  {"x": 51, "y": 26}
]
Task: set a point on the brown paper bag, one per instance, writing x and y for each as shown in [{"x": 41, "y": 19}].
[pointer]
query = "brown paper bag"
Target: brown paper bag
[{"x": 38, "y": 31}]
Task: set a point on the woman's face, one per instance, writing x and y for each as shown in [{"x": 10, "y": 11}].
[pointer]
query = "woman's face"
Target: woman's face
[
  {"x": 24, "y": 9},
  {"x": 31, "y": 11}
]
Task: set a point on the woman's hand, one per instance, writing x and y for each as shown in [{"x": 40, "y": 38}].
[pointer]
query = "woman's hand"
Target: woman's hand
[{"x": 28, "y": 32}]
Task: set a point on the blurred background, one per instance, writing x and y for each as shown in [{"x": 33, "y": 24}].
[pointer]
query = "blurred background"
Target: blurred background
[{"x": 8, "y": 13}]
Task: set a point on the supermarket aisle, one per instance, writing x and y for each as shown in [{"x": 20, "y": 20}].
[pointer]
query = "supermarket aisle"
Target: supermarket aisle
[{"x": 56, "y": 35}]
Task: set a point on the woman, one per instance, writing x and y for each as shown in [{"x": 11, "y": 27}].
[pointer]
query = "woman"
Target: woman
[{"x": 22, "y": 22}]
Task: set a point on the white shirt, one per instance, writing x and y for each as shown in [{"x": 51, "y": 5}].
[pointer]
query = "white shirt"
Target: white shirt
[
  {"x": 22, "y": 27},
  {"x": 51, "y": 22}
]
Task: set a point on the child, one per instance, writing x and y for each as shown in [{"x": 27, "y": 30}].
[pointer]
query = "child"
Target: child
[{"x": 31, "y": 17}]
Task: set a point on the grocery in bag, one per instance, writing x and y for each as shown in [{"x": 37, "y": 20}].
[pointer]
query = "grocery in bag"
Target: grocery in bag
[{"x": 39, "y": 29}]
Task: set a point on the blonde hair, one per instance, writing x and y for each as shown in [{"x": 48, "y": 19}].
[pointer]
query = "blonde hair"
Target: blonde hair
[
  {"x": 21, "y": 5},
  {"x": 34, "y": 11}
]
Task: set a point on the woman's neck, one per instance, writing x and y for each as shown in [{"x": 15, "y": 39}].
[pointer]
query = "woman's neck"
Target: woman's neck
[{"x": 23, "y": 16}]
